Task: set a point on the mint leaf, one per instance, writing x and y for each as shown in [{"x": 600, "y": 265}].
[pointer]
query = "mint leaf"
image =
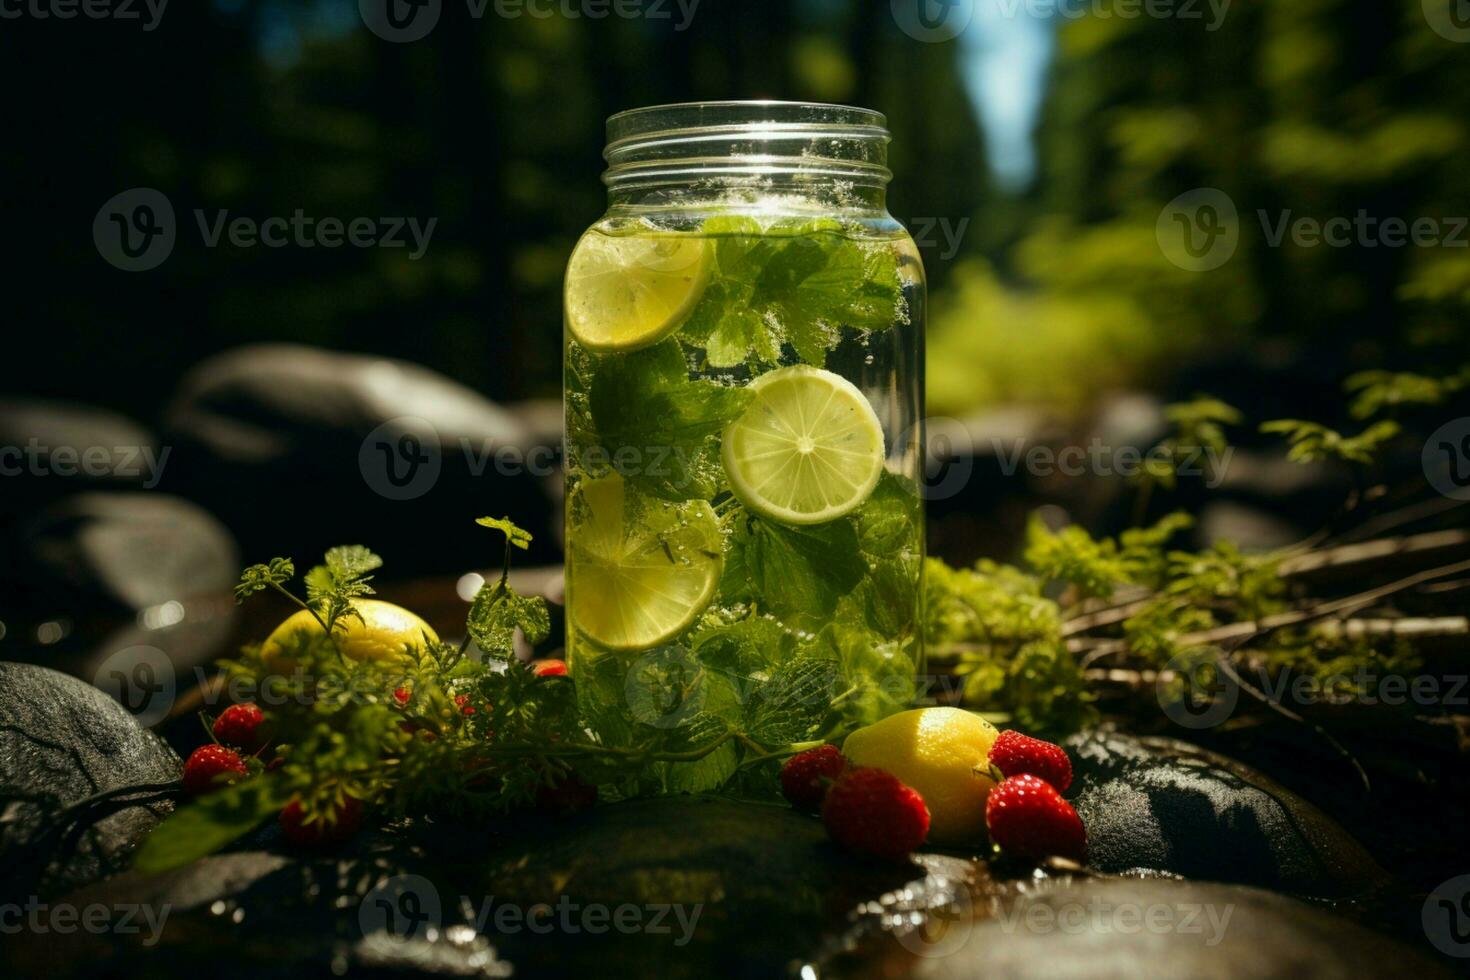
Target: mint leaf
[
  {"x": 791, "y": 283},
  {"x": 331, "y": 587},
  {"x": 888, "y": 518},
  {"x": 887, "y": 599},
  {"x": 745, "y": 648},
  {"x": 658, "y": 427},
  {"x": 352, "y": 562},
  {"x": 794, "y": 702},
  {"x": 498, "y": 611},
  {"x": 200, "y": 828},
  {"x": 517, "y": 536},
  {"x": 878, "y": 674},
  {"x": 707, "y": 774},
  {"x": 801, "y": 572},
  {"x": 730, "y": 330}
]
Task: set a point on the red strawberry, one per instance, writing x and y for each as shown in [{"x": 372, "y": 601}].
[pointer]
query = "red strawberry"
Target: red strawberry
[
  {"x": 463, "y": 701},
  {"x": 401, "y": 695},
  {"x": 1028, "y": 817},
  {"x": 239, "y": 725},
  {"x": 805, "y": 777},
  {"x": 868, "y": 810},
  {"x": 1014, "y": 754},
  {"x": 211, "y": 767},
  {"x": 550, "y": 668},
  {"x": 344, "y": 823},
  {"x": 569, "y": 795}
]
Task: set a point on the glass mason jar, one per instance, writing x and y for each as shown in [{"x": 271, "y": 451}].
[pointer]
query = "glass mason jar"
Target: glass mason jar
[{"x": 744, "y": 394}]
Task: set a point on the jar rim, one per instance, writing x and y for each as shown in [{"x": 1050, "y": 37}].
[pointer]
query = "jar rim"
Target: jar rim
[
  {"x": 666, "y": 143},
  {"x": 686, "y": 116}
]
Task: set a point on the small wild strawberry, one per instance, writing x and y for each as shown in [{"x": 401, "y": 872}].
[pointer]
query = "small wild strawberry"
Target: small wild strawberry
[
  {"x": 869, "y": 811},
  {"x": 1028, "y": 817},
  {"x": 1014, "y": 754},
  {"x": 239, "y": 725},
  {"x": 345, "y": 820},
  {"x": 211, "y": 767},
  {"x": 806, "y": 776}
]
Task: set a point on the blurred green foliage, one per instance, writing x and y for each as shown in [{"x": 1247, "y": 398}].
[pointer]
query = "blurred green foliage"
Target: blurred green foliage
[
  {"x": 1319, "y": 108},
  {"x": 495, "y": 127}
]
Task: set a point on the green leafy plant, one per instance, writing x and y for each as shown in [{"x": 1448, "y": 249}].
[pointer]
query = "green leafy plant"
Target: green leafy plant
[
  {"x": 1312, "y": 442},
  {"x": 464, "y": 732}
]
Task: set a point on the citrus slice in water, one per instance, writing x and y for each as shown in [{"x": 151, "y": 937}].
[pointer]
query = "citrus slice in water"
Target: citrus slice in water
[
  {"x": 642, "y": 569},
  {"x": 627, "y": 292},
  {"x": 808, "y": 449}
]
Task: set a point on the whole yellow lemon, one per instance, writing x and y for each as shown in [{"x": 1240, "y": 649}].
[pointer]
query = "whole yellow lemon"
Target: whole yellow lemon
[
  {"x": 381, "y": 634},
  {"x": 944, "y": 754}
]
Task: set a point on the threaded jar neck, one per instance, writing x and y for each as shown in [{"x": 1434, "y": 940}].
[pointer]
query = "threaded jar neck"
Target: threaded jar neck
[{"x": 667, "y": 155}]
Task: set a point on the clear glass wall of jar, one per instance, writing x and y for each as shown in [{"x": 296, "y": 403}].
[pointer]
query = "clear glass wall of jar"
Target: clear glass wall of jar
[{"x": 744, "y": 400}]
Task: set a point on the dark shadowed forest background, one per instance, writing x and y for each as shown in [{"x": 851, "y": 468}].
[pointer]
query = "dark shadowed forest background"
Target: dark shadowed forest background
[{"x": 1034, "y": 155}]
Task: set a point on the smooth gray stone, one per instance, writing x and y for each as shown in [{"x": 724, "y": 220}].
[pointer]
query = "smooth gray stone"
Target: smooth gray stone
[
  {"x": 63, "y": 741},
  {"x": 121, "y": 552},
  {"x": 299, "y": 449},
  {"x": 49, "y": 449},
  {"x": 1125, "y": 929}
]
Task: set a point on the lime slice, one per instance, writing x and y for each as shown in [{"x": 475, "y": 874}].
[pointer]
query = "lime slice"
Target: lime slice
[
  {"x": 627, "y": 292},
  {"x": 808, "y": 448},
  {"x": 641, "y": 570}
]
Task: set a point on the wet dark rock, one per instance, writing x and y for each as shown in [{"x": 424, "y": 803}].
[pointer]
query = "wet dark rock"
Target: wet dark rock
[
  {"x": 299, "y": 449},
  {"x": 61, "y": 742},
  {"x": 1166, "y": 805},
  {"x": 51, "y": 449},
  {"x": 1128, "y": 928},
  {"x": 739, "y": 890},
  {"x": 717, "y": 889}
]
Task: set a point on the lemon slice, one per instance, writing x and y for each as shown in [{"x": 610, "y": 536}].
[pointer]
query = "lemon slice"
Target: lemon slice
[
  {"x": 808, "y": 448},
  {"x": 627, "y": 292},
  {"x": 640, "y": 570}
]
